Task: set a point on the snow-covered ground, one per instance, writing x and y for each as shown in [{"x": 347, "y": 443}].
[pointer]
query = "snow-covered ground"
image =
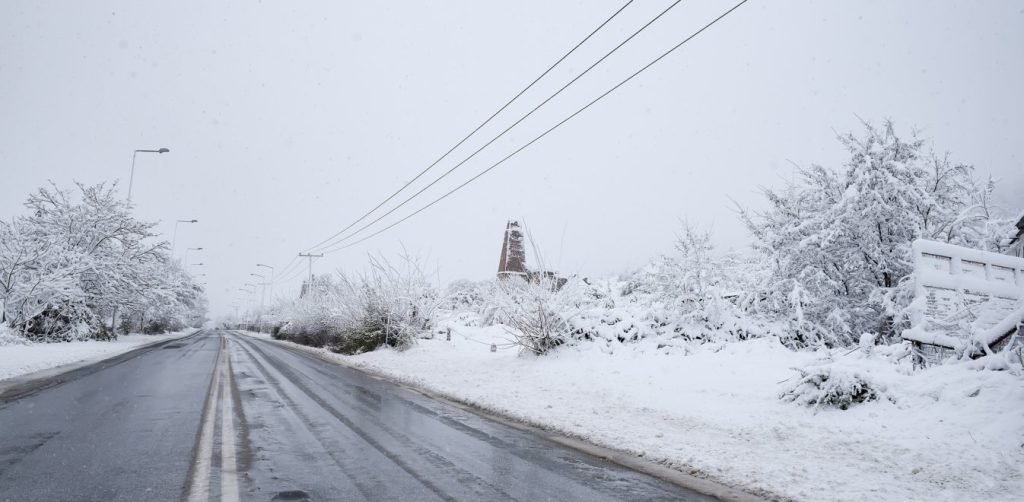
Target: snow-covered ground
[
  {"x": 948, "y": 433},
  {"x": 17, "y": 359}
]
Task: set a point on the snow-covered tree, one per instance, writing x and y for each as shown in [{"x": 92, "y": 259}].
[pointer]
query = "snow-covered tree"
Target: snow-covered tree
[
  {"x": 836, "y": 242},
  {"x": 75, "y": 261}
]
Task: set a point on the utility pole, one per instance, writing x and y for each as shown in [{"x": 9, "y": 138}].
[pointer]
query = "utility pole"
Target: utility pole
[{"x": 309, "y": 285}]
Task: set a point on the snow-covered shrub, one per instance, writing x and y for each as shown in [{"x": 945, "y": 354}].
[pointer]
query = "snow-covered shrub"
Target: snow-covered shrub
[
  {"x": 695, "y": 294},
  {"x": 63, "y": 322},
  {"x": 310, "y": 320},
  {"x": 538, "y": 311},
  {"x": 468, "y": 296},
  {"x": 829, "y": 386},
  {"x": 9, "y": 337},
  {"x": 387, "y": 305}
]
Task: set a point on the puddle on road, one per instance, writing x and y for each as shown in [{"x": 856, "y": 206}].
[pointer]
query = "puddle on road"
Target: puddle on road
[{"x": 291, "y": 495}]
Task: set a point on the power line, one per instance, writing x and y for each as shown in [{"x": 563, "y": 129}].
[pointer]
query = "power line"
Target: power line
[
  {"x": 509, "y": 128},
  {"x": 545, "y": 133},
  {"x": 294, "y": 274},
  {"x": 474, "y": 131},
  {"x": 285, "y": 269}
]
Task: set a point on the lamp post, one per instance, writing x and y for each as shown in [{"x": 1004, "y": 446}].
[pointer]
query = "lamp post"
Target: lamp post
[
  {"x": 263, "y": 296},
  {"x": 263, "y": 284},
  {"x": 131, "y": 176},
  {"x": 185, "y": 258},
  {"x": 247, "y": 302},
  {"x": 271, "y": 280},
  {"x": 174, "y": 241}
]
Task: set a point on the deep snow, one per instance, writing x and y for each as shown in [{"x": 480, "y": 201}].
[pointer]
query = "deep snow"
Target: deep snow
[
  {"x": 947, "y": 433},
  {"x": 18, "y": 359}
]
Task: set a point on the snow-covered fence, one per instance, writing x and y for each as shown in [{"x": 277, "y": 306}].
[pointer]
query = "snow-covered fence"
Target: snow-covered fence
[{"x": 965, "y": 299}]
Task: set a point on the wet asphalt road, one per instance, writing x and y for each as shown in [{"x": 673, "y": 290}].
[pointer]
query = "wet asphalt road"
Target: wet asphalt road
[{"x": 222, "y": 416}]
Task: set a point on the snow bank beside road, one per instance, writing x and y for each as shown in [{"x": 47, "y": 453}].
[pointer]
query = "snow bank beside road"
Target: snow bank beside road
[
  {"x": 19, "y": 360},
  {"x": 949, "y": 433}
]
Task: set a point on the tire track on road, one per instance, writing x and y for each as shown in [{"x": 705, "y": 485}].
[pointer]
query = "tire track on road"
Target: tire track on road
[{"x": 295, "y": 381}]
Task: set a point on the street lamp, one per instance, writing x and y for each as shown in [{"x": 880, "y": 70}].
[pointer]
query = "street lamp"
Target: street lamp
[
  {"x": 247, "y": 312},
  {"x": 185, "y": 258},
  {"x": 271, "y": 280},
  {"x": 263, "y": 296},
  {"x": 131, "y": 177},
  {"x": 174, "y": 242},
  {"x": 196, "y": 264}
]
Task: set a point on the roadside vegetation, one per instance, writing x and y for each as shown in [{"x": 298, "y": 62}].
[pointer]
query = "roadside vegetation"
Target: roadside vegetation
[
  {"x": 830, "y": 262},
  {"x": 78, "y": 265}
]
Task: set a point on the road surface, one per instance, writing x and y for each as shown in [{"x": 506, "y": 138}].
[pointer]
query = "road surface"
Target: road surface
[{"x": 223, "y": 416}]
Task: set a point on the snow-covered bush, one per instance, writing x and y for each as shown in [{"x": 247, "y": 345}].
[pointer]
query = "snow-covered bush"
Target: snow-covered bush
[
  {"x": 828, "y": 386},
  {"x": 538, "y": 311},
  {"x": 310, "y": 320},
  {"x": 696, "y": 293},
  {"x": 468, "y": 296},
  {"x": 387, "y": 305},
  {"x": 9, "y": 337}
]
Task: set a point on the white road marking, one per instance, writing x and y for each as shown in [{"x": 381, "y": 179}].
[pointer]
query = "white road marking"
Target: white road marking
[
  {"x": 228, "y": 463},
  {"x": 199, "y": 491}
]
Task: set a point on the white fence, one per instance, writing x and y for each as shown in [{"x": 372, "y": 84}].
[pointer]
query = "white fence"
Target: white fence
[{"x": 964, "y": 296}]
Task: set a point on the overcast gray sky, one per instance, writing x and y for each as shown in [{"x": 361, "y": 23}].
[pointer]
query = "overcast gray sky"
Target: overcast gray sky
[{"x": 287, "y": 120}]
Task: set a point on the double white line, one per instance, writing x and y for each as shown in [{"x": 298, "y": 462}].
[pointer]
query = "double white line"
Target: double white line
[{"x": 220, "y": 393}]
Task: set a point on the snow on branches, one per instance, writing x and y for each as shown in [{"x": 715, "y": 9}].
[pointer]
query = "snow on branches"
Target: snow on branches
[
  {"x": 836, "y": 242},
  {"x": 77, "y": 258}
]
